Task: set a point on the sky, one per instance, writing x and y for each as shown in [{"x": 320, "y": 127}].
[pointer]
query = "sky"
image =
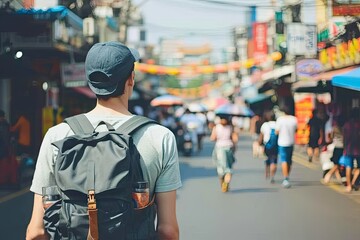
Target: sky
[{"x": 197, "y": 22}]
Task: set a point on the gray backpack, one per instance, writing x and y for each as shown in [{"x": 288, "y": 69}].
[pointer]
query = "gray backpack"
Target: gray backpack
[{"x": 95, "y": 173}]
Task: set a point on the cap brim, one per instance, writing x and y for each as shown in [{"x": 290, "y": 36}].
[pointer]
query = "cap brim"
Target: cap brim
[
  {"x": 103, "y": 91},
  {"x": 135, "y": 54}
]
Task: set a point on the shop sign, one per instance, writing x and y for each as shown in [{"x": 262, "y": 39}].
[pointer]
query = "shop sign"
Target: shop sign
[
  {"x": 73, "y": 75},
  {"x": 260, "y": 39},
  {"x": 345, "y": 8},
  {"x": 341, "y": 55},
  {"x": 65, "y": 33},
  {"x": 306, "y": 68},
  {"x": 301, "y": 39}
]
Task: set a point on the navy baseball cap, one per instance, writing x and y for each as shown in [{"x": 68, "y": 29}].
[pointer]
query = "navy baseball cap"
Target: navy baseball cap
[{"x": 113, "y": 62}]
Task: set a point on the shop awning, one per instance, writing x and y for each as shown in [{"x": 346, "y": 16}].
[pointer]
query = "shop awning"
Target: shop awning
[
  {"x": 320, "y": 83},
  {"x": 312, "y": 86},
  {"x": 328, "y": 75},
  {"x": 258, "y": 98},
  {"x": 278, "y": 72},
  {"x": 57, "y": 12},
  {"x": 349, "y": 80}
]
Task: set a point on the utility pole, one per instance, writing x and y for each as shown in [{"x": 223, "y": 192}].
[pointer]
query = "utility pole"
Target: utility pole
[{"x": 124, "y": 20}]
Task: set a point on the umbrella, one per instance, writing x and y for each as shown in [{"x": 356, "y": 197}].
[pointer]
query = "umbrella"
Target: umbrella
[
  {"x": 197, "y": 107},
  {"x": 234, "y": 110},
  {"x": 213, "y": 103},
  {"x": 166, "y": 100}
]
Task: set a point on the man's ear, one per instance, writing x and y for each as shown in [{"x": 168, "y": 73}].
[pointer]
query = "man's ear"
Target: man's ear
[{"x": 131, "y": 80}]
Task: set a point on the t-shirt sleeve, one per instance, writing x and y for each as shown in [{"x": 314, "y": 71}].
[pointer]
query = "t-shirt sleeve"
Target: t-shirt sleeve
[
  {"x": 169, "y": 178},
  {"x": 262, "y": 128},
  {"x": 278, "y": 124},
  {"x": 44, "y": 174}
]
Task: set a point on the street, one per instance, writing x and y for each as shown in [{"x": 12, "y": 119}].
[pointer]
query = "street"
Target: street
[{"x": 254, "y": 209}]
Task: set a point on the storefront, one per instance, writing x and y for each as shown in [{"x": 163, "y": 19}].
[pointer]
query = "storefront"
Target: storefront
[
  {"x": 347, "y": 90},
  {"x": 33, "y": 45}
]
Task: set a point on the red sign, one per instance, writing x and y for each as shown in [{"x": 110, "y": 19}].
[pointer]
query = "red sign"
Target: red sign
[
  {"x": 345, "y": 8},
  {"x": 259, "y": 39}
]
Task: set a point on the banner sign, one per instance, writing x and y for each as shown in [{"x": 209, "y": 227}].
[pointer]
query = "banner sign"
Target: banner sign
[
  {"x": 345, "y": 7},
  {"x": 260, "y": 40},
  {"x": 73, "y": 74},
  {"x": 301, "y": 39},
  {"x": 306, "y": 68}
]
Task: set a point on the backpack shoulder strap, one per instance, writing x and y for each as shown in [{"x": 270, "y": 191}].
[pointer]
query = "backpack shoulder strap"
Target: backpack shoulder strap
[
  {"x": 80, "y": 124},
  {"x": 134, "y": 123}
]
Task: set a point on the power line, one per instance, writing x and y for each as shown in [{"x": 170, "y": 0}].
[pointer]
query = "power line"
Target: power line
[{"x": 217, "y": 3}]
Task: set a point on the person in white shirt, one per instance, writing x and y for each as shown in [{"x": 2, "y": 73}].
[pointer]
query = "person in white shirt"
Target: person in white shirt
[
  {"x": 264, "y": 137},
  {"x": 286, "y": 127}
]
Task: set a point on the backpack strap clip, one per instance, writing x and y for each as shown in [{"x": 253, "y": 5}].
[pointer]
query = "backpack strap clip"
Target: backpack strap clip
[{"x": 93, "y": 217}]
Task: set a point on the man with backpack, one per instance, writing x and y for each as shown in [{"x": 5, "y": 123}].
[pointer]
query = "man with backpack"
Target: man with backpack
[
  {"x": 268, "y": 138},
  {"x": 100, "y": 160}
]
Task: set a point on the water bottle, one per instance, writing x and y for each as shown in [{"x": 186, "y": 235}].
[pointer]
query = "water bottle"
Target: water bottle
[{"x": 141, "y": 194}]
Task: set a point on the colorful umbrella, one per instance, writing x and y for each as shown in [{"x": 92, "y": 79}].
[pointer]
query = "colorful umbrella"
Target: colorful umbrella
[
  {"x": 215, "y": 102},
  {"x": 234, "y": 110},
  {"x": 197, "y": 107},
  {"x": 166, "y": 100}
]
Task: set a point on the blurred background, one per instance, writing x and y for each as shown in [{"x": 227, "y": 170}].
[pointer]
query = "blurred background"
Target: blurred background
[{"x": 258, "y": 54}]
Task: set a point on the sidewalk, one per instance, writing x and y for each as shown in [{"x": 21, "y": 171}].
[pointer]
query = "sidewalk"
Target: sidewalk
[{"x": 300, "y": 157}]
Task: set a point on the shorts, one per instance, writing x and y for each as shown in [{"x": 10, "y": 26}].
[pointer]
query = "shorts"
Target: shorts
[
  {"x": 270, "y": 161},
  {"x": 348, "y": 160},
  {"x": 272, "y": 157},
  {"x": 285, "y": 154},
  {"x": 313, "y": 144},
  {"x": 338, "y": 152}
]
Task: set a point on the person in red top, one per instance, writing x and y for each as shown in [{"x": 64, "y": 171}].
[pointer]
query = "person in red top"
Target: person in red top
[{"x": 351, "y": 133}]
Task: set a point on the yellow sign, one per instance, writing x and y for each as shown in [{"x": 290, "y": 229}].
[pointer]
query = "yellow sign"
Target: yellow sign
[{"x": 341, "y": 55}]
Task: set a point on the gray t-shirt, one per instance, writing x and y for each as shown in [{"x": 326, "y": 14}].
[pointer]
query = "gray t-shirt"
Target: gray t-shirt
[{"x": 155, "y": 143}]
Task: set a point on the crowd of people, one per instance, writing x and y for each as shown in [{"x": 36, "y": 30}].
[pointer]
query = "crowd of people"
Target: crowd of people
[{"x": 333, "y": 139}]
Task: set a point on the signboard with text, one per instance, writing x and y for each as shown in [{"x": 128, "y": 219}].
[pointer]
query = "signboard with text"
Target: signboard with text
[
  {"x": 345, "y": 7},
  {"x": 260, "y": 40},
  {"x": 73, "y": 75},
  {"x": 301, "y": 39}
]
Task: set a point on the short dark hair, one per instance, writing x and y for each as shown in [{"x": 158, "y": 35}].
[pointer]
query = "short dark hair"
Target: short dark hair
[
  {"x": 269, "y": 115},
  {"x": 287, "y": 110},
  {"x": 119, "y": 90}
]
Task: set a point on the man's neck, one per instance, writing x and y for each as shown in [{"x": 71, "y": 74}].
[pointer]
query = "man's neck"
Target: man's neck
[{"x": 113, "y": 107}]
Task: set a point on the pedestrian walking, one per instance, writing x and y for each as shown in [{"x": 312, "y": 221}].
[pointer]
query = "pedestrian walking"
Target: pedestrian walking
[
  {"x": 268, "y": 139},
  {"x": 191, "y": 122},
  {"x": 351, "y": 133},
  {"x": 335, "y": 136},
  {"x": 315, "y": 126},
  {"x": 8, "y": 163},
  {"x": 4, "y": 136},
  {"x": 23, "y": 131},
  {"x": 110, "y": 73},
  {"x": 223, "y": 153},
  {"x": 201, "y": 129},
  {"x": 286, "y": 127}
]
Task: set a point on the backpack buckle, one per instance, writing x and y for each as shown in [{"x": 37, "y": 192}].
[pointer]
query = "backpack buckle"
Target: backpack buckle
[{"x": 91, "y": 199}]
